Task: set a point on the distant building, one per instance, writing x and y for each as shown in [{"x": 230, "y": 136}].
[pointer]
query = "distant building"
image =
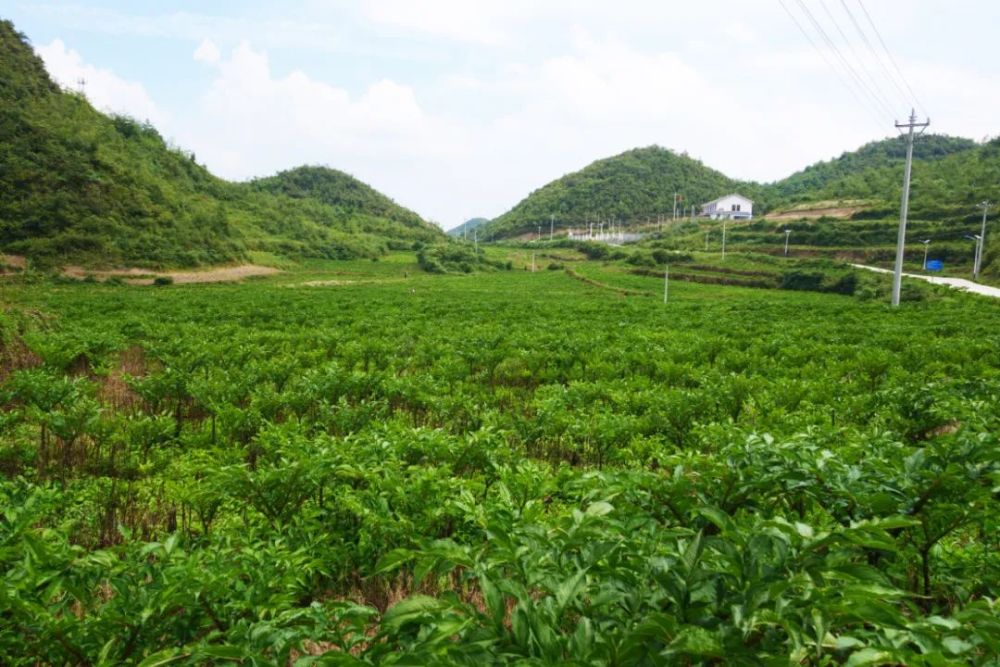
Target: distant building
[{"x": 733, "y": 207}]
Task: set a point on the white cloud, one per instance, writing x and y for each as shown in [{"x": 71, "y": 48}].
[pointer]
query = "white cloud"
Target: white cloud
[
  {"x": 461, "y": 107},
  {"x": 207, "y": 52},
  {"x": 251, "y": 122},
  {"x": 105, "y": 90}
]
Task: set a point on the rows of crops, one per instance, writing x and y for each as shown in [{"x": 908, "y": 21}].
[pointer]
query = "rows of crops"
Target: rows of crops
[{"x": 505, "y": 468}]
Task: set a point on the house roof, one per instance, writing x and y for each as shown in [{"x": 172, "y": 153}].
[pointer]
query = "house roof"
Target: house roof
[{"x": 735, "y": 194}]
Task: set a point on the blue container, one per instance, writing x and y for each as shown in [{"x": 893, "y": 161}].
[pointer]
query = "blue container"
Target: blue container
[{"x": 935, "y": 265}]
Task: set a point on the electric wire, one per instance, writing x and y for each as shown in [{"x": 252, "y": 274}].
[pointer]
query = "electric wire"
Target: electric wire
[
  {"x": 891, "y": 59},
  {"x": 876, "y": 89},
  {"x": 878, "y": 57},
  {"x": 833, "y": 47},
  {"x": 846, "y": 83}
]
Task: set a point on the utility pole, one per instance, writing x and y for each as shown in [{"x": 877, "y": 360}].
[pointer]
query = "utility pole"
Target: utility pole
[
  {"x": 539, "y": 237},
  {"x": 927, "y": 246},
  {"x": 788, "y": 233},
  {"x": 982, "y": 242},
  {"x": 675, "y": 207},
  {"x": 897, "y": 275}
]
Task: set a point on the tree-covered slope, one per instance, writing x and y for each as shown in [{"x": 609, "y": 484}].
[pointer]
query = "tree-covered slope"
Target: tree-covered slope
[
  {"x": 943, "y": 185},
  {"x": 343, "y": 192},
  {"x": 634, "y": 185},
  {"x": 79, "y": 186},
  {"x": 467, "y": 226},
  {"x": 815, "y": 179}
]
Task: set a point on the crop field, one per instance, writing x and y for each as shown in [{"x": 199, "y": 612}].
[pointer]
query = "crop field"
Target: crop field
[{"x": 359, "y": 463}]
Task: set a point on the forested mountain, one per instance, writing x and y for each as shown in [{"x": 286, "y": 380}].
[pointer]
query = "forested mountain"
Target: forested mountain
[
  {"x": 77, "y": 185},
  {"x": 636, "y": 184},
  {"x": 875, "y": 155},
  {"x": 467, "y": 226},
  {"x": 943, "y": 185},
  {"x": 343, "y": 192},
  {"x": 950, "y": 175}
]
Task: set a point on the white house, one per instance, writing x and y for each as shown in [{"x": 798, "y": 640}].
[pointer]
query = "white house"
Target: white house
[{"x": 733, "y": 207}]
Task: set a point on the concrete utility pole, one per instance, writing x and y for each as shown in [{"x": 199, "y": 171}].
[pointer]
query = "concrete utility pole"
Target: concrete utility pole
[
  {"x": 788, "y": 233},
  {"x": 927, "y": 246},
  {"x": 897, "y": 274},
  {"x": 982, "y": 240}
]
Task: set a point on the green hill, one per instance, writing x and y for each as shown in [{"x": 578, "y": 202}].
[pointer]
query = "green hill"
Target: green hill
[
  {"x": 467, "y": 226},
  {"x": 637, "y": 184},
  {"x": 79, "y": 186},
  {"x": 812, "y": 182},
  {"x": 944, "y": 185}
]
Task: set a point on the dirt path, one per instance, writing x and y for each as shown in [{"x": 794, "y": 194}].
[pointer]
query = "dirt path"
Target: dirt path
[{"x": 954, "y": 283}]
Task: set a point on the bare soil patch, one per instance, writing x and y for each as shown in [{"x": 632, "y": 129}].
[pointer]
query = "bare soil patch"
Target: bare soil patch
[
  {"x": 136, "y": 276},
  {"x": 841, "y": 213}
]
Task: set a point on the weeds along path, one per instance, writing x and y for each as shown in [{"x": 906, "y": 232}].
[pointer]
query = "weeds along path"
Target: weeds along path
[{"x": 954, "y": 283}]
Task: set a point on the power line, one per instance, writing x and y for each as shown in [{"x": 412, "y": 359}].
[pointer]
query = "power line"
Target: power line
[
  {"x": 831, "y": 65},
  {"x": 886, "y": 106},
  {"x": 878, "y": 58},
  {"x": 891, "y": 59},
  {"x": 833, "y": 47}
]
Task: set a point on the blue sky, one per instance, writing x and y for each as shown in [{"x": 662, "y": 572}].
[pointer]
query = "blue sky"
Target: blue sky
[{"x": 459, "y": 108}]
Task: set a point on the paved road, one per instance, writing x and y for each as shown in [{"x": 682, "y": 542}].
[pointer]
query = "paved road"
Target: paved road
[{"x": 954, "y": 283}]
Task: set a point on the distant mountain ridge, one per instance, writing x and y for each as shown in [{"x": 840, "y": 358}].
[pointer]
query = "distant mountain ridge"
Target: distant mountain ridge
[
  {"x": 638, "y": 185},
  {"x": 79, "y": 186},
  {"x": 467, "y": 227}
]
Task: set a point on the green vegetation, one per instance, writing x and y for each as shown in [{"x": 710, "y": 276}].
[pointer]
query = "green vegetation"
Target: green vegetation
[
  {"x": 633, "y": 186},
  {"x": 466, "y": 227},
  {"x": 79, "y": 186},
  {"x": 503, "y": 468},
  {"x": 843, "y": 174},
  {"x": 951, "y": 175}
]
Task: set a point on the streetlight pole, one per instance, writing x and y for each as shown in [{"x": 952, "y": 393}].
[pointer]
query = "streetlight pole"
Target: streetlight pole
[
  {"x": 975, "y": 256},
  {"x": 788, "y": 233},
  {"x": 982, "y": 240},
  {"x": 927, "y": 246}
]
